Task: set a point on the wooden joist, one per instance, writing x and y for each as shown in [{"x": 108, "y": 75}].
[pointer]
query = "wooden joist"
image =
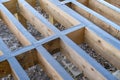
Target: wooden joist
[
  {"x": 96, "y": 18},
  {"x": 105, "y": 10},
  {"x": 1, "y": 53},
  {"x": 57, "y": 14}
]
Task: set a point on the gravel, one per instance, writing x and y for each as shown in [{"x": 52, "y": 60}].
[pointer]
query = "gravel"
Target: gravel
[
  {"x": 98, "y": 57},
  {"x": 9, "y": 38},
  {"x": 70, "y": 67},
  {"x": 8, "y": 77},
  {"x": 34, "y": 32},
  {"x": 37, "y": 73}
]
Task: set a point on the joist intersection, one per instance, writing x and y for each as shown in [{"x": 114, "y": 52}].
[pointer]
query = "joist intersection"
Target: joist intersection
[{"x": 60, "y": 40}]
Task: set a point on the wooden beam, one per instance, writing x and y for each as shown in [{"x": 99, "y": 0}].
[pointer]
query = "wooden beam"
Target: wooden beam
[
  {"x": 54, "y": 70},
  {"x": 13, "y": 28},
  {"x": 83, "y": 61},
  {"x": 51, "y": 19},
  {"x": 103, "y": 48},
  {"x": 23, "y": 59},
  {"x": 78, "y": 33},
  {"x": 16, "y": 69},
  {"x": 58, "y": 14},
  {"x": 105, "y": 11},
  {"x": 4, "y": 69},
  {"x": 16, "y": 15},
  {"x": 16, "y": 27},
  {"x": 33, "y": 17},
  {"x": 99, "y": 20},
  {"x": 48, "y": 68},
  {"x": 53, "y": 46},
  {"x": 22, "y": 20},
  {"x": 1, "y": 53},
  {"x": 32, "y": 2},
  {"x": 10, "y": 6},
  {"x": 115, "y": 2},
  {"x": 85, "y": 2},
  {"x": 82, "y": 64}
]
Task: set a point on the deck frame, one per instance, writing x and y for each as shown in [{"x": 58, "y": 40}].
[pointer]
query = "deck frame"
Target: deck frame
[{"x": 71, "y": 20}]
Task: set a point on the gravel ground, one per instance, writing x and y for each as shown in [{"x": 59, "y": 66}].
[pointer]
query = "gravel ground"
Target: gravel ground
[
  {"x": 98, "y": 58},
  {"x": 37, "y": 73},
  {"x": 9, "y": 38},
  {"x": 8, "y": 77},
  {"x": 34, "y": 32},
  {"x": 69, "y": 67}
]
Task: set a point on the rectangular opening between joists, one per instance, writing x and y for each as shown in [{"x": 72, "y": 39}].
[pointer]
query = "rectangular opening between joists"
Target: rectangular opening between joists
[
  {"x": 98, "y": 48},
  {"x": 36, "y": 66},
  {"x": 31, "y": 63},
  {"x": 70, "y": 60},
  {"x": 104, "y": 25}
]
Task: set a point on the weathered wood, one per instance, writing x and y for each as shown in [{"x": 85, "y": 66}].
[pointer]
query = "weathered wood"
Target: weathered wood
[
  {"x": 4, "y": 69},
  {"x": 23, "y": 59},
  {"x": 115, "y": 2},
  {"x": 85, "y": 2},
  {"x": 92, "y": 16},
  {"x": 17, "y": 70},
  {"x": 103, "y": 48},
  {"x": 51, "y": 19},
  {"x": 33, "y": 19},
  {"x": 82, "y": 64},
  {"x": 32, "y": 2},
  {"x": 59, "y": 15},
  {"x": 22, "y": 20},
  {"x": 105, "y": 11},
  {"x": 10, "y": 5},
  {"x": 48, "y": 68},
  {"x": 53, "y": 46},
  {"x": 1, "y": 53},
  {"x": 77, "y": 36},
  {"x": 66, "y": 41},
  {"x": 14, "y": 26}
]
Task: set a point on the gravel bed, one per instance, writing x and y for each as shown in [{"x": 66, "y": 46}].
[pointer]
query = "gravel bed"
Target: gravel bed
[
  {"x": 10, "y": 40},
  {"x": 70, "y": 67},
  {"x": 8, "y": 77},
  {"x": 98, "y": 57},
  {"x": 37, "y": 73},
  {"x": 34, "y": 32}
]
